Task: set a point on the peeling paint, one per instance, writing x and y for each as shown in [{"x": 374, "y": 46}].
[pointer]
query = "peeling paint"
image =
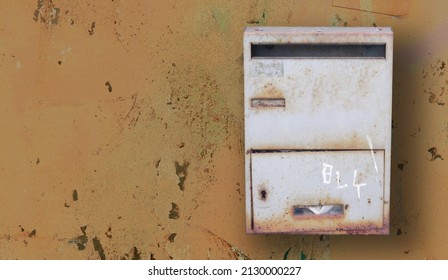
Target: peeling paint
[
  {"x": 81, "y": 240},
  {"x": 181, "y": 172},
  {"x": 46, "y": 12},
  {"x": 98, "y": 247},
  {"x": 174, "y": 212},
  {"x": 175, "y": 94},
  {"x": 434, "y": 154}
]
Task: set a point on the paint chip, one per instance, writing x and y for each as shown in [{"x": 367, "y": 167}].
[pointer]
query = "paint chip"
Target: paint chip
[
  {"x": 174, "y": 212},
  {"x": 81, "y": 240},
  {"x": 109, "y": 86},
  {"x": 32, "y": 233},
  {"x": 108, "y": 233},
  {"x": 75, "y": 195},
  {"x": 171, "y": 237},
  {"x": 136, "y": 254},
  {"x": 92, "y": 29},
  {"x": 434, "y": 154},
  {"x": 181, "y": 172},
  {"x": 98, "y": 247},
  {"x": 46, "y": 12}
]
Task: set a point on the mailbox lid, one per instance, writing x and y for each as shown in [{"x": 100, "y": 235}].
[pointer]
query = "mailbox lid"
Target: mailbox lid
[
  {"x": 318, "y": 101},
  {"x": 318, "y": 192}
]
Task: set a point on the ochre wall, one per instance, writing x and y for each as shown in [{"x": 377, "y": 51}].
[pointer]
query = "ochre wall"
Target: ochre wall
[{"x": 122, "y": 129}]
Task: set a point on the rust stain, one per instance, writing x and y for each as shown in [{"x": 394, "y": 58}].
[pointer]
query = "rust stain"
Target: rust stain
[
  {"x": 263, "y": 191},
  {"x": 269, "y": 91}
]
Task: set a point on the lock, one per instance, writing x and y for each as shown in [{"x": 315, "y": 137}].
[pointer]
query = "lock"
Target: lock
[{"x": 317, "y": 110}]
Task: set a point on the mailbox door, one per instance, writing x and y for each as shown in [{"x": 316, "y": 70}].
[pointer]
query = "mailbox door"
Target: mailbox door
[{"x": 318, "y": 191}]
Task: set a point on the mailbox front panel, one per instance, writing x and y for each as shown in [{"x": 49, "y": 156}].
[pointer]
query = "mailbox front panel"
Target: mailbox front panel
[
  {"x": 317, "y": 191},
  {"x": 312, "y": 96}
]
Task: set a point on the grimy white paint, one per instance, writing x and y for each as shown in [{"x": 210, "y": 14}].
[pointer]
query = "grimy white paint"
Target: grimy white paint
[{"x": 318, "y": 129}]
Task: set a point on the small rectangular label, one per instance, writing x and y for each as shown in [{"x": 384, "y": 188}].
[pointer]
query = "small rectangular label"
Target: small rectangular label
[
  {"x": 267, "y": 102},
  {"x": 267, "y": 69}
]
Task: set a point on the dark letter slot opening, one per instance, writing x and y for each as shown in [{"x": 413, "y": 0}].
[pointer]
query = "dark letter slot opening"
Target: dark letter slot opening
[
  {"x": 318, "y": 51},
  {"x": 318, "y": 210}
]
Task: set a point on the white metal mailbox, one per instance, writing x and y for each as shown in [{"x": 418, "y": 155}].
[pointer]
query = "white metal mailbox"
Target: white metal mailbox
[{"x": 317, "y": 129}]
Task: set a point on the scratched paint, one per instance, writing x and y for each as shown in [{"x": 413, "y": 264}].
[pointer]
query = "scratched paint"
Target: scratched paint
[{"x": 175, "y": 68}]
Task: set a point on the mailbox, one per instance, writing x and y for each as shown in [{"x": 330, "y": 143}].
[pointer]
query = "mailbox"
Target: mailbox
[{"x": 317, "y": 110}]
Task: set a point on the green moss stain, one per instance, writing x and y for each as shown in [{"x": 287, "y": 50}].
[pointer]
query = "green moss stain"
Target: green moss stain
[
  {"x": 212, "y": 19},
  {"x": 261, "y": 20},
  {"x": 220, "y": 17},
  {"x": 285, "y": 255},
  {"x": 302, "y": 255},
  {"x": 367, "y": 17},
  {"x": 200, "y": 106},
  {"x": 337, "y": 20}
]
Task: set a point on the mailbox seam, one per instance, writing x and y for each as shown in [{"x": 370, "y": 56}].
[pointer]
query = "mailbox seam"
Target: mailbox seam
[{"x": 251, "y": 192}]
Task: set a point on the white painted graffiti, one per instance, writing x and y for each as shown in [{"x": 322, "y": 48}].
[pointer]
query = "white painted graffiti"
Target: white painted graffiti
[{"x": 327, "y": 172}]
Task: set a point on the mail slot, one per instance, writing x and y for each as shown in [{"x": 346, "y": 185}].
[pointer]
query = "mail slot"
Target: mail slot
[{"x": 317, "y": 129}]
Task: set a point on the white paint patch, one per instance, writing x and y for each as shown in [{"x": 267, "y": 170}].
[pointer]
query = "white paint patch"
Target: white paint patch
[
  {"x": 66, "y": 51},
  {"x": 358, "y": 186},
  {"x": 267, "y": 69},
  {"x": 18, "y": 65},
  {"x": 327, "y": 170}
]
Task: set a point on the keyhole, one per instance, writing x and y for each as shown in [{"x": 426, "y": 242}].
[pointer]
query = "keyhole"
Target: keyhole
[{"x": 263, "y": 194}]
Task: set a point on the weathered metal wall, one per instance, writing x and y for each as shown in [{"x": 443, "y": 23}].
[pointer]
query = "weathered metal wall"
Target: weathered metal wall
[{"x": 122, "y": 129}]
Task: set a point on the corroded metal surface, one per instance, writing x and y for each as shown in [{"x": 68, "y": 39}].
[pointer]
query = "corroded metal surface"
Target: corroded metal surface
[
  {"x": 139, "y": 104},
  {"x": 336, "y": 85}
]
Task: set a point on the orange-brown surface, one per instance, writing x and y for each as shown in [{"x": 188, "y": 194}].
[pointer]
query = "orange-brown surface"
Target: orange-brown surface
[{"x": 122, "y": 129}]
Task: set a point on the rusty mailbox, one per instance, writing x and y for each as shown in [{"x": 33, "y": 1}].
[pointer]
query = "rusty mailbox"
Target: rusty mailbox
[{"x": 317, "y": 129}]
